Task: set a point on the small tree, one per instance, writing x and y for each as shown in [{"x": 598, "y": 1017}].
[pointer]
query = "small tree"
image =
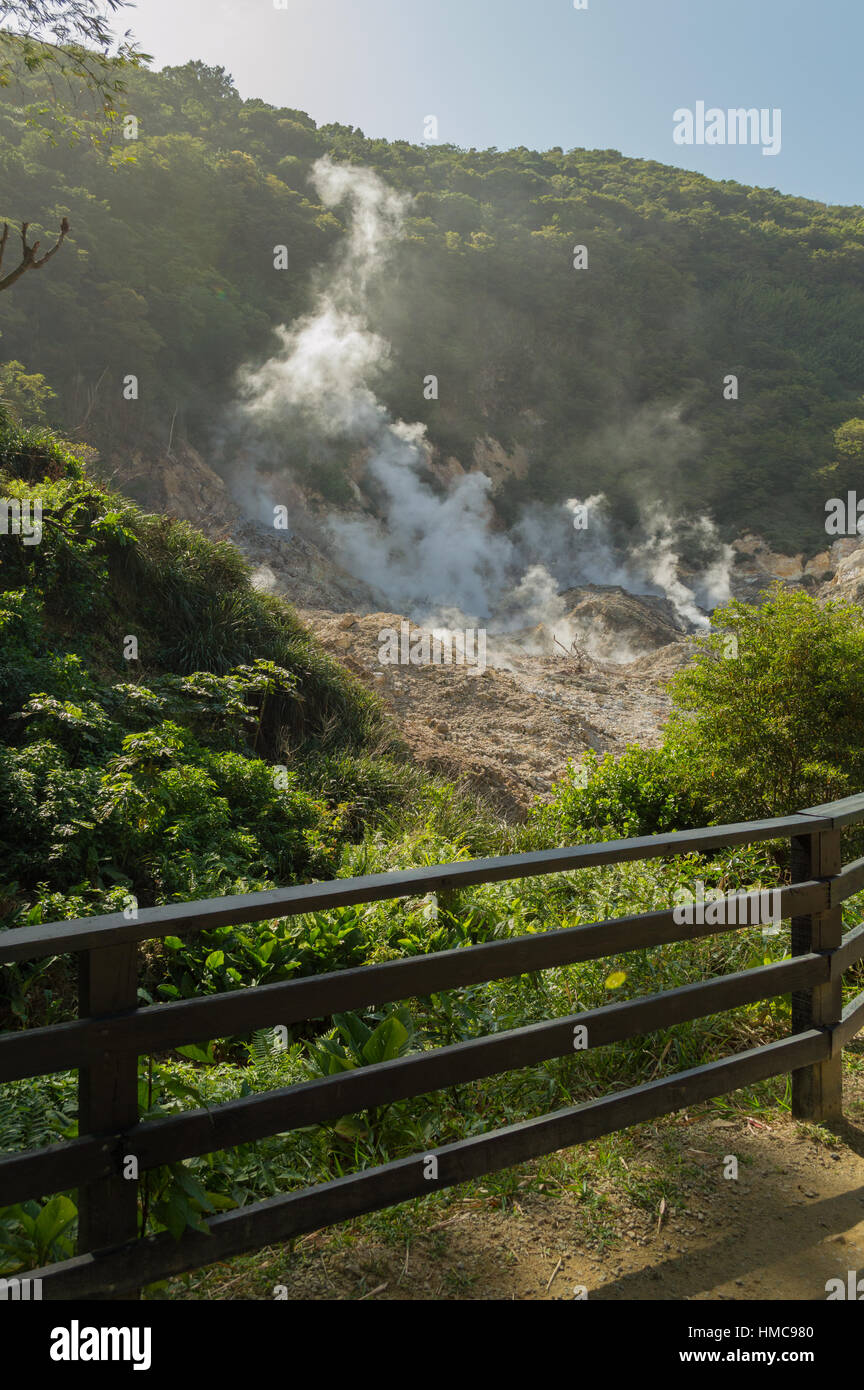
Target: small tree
[
  {"x": 770, "y": 717},
  {"x": 24, "y": 395},
  {"x": 849, "y": 442}
]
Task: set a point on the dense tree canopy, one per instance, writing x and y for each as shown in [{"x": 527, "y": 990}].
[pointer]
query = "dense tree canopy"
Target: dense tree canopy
[{"x": 612, "y": 375}]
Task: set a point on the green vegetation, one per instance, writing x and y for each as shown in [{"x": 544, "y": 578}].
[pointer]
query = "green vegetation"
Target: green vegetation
[
  {"x": 69, "y": 44},
  {"x": 168, "y": 732},
  {"x": 767, "y": 720},
  {"x": 688, "y": 280},
  {"x": 229, "y": 754}
]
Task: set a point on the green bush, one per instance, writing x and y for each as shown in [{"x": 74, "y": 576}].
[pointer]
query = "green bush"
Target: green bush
[
  {"x": 176, "y": 775},
  {"x": 769, "y": 719},
  {"x": 643, "y": 792}
]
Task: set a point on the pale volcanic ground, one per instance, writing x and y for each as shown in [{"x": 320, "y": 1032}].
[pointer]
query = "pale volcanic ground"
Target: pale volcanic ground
[{"x": 510, "y": 729}]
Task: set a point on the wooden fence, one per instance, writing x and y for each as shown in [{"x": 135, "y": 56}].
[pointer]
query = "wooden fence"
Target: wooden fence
[{"x": 112, "y": 1032}]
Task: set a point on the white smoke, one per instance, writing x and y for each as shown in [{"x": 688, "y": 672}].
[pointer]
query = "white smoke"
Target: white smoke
[
  {"x": 326, "y": 359},
  {"x": 650, "y": 566},
  {"x": 435, "y": 555},
  {"x": 658, "y": 559},
  {"x": 426, "y": 549}
]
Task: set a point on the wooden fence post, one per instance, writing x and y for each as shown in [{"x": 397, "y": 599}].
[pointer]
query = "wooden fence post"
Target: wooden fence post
[
  {"x": 107, "y": 1097},
  {"x": 817, "y": 1091}
]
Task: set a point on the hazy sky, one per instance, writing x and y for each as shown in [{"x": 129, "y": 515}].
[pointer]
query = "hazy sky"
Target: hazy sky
[{"x": 541, "y": 73}]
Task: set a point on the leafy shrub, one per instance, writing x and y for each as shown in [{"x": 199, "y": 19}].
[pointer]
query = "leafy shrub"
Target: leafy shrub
[
  {"x": 769, "y": 719},
  {"x": 260, "y": 953},
  {"x": 175, "y": 776},
  {"x": 643, "y": 792},
  {"x": 34, "y": 1234}
]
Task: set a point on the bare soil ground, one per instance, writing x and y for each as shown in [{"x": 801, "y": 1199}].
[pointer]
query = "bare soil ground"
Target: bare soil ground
[
  {"x": 510, "y": 730},
  {"x": 649, "y": 1215}
]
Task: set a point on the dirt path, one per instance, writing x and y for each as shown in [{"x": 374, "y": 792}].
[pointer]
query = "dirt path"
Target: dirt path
[{"x": 792, "y": 1219}]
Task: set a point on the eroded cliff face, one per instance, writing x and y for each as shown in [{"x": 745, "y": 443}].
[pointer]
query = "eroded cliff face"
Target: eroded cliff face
[
  {"x": 180, "y": 483},
  {"x": 757, "y": 566},
  {"x": 847, "y": 582},
  {"x": 292, "y": 562}
]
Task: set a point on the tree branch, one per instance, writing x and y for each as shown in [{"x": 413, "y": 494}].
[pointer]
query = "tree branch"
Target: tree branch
[{"x": 29, "y": 258}]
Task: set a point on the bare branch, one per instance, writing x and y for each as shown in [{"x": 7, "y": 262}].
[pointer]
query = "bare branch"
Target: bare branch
[
  {"x": 29, "y": 259},
  {"x": 64, "y": 227}
]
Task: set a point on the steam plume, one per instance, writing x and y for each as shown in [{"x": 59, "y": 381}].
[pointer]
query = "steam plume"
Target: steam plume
[{"x": 426, "y": 552}]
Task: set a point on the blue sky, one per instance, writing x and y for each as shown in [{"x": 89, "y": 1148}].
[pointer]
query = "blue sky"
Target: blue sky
[{"x": 541, "y": 73}]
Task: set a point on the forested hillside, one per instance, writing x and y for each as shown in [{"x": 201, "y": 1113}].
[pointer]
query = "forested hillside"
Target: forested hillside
[{"x": 614, "y": 372}]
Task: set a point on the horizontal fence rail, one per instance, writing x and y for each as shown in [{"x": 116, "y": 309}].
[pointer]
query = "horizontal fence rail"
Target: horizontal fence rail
[
  {"x": 320, "y": 1102},
  {"x": 86, "y": 933},
  {"x": 105, "y": 1043},
  {"x": 283, "y": 1218},
  {"x": 65, "y": 1045}
]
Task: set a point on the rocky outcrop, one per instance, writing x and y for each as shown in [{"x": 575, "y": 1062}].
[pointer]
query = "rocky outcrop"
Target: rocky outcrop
[
  {"x": 299, "y": 569},
  {"x": 835, "y": 573},
  {"x": 757, "y": 567},
  {"x": 292, "y": 562},
  {"x": 847, "y": 581},
  {"x": 614, "y": 625},
  {"x": 491, "y": 458},
  {"x": 179, "y": 483}
]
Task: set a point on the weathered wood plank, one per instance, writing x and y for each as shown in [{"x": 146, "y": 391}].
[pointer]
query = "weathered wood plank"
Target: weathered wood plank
[
  {"x": 175, "y": 919},
  {"x": 851, "y": 1022},
  {"x": 846, "y": 811},
  {"x": 112, "y": 1272},
  {"x": 107, "y": 1097},
  {"x": 36, "y": 1173},
  {"x": 160, "y": 1026},
  {"x": 817, "y": 1091},
  {"x": 850, "y": 952},
  {"x": 849, "y": 880}
]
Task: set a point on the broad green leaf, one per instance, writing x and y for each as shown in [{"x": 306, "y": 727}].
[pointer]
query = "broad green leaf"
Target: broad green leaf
[
  {"x": 355, "y": 1032},
  {"x": 351, "y": 1127},
  {"x": 54, "y": 1218},
  {"x": 198, "y": 1054},
  {"x": 387, "y": 1041}
]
